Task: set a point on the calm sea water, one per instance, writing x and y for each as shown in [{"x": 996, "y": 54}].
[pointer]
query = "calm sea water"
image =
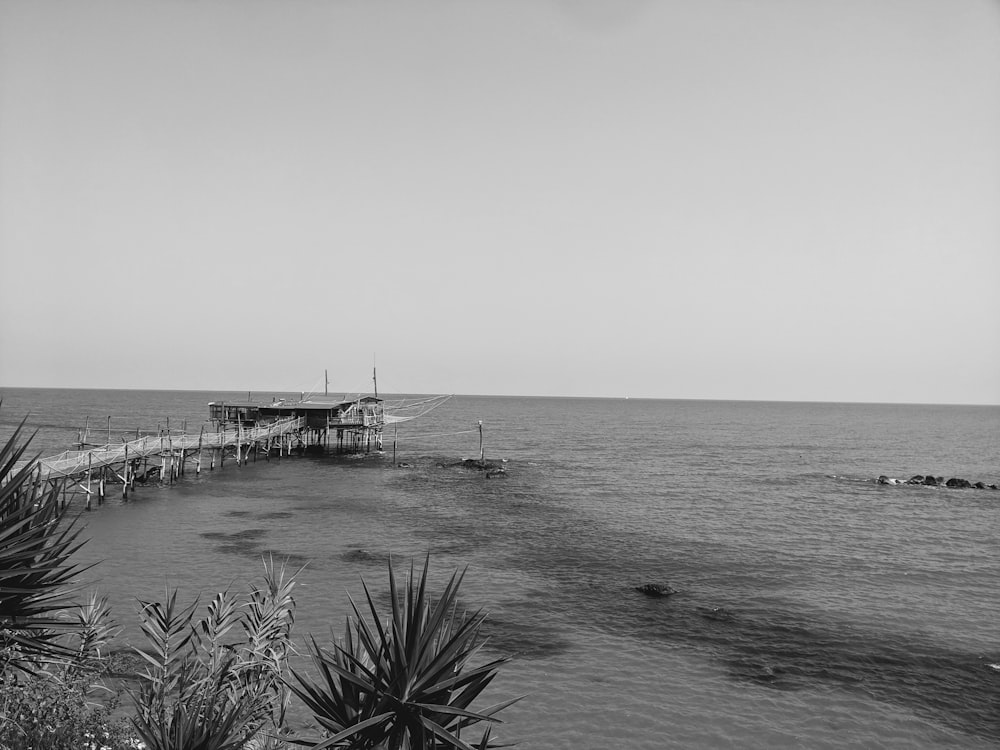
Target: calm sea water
[{"x": 816, "y": 608}]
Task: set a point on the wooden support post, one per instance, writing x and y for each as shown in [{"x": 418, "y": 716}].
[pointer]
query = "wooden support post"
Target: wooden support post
[
  {"x": 109, "y": 431},
  {"x": 125, "y": 476},
  {"x": 201, "y": 435},
  {"x": 90, "y": 469},
  {"x": 482, "y": 450},
  {"x": 163, "y": 461}
]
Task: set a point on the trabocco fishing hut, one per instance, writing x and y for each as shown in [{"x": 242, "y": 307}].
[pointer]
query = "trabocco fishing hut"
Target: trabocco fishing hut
[{"x": 354, "y": 426}]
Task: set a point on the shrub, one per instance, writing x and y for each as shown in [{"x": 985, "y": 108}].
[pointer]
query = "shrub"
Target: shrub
[
  {"x": 55, "y": 710},
  {"x": 204, "y": 691}
]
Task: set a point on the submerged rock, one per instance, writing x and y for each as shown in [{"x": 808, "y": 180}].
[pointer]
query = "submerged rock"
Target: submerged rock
[{"x": 655, "y": 589}]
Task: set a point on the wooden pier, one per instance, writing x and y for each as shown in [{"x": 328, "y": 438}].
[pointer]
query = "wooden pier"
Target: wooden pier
[
  {"x": 237, "y": 431},
  {"x": 166, "y": 457}
]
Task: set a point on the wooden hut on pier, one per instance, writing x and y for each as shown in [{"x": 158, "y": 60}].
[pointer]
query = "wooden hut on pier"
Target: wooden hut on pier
[{"x": 353, "y": 426}]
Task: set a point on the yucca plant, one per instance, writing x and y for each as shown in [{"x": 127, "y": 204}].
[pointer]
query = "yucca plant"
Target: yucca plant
[
  {"x": 36, "y": 575},
  {"x": 402, "y": 683},
  {"x": 203, "y": 689}
]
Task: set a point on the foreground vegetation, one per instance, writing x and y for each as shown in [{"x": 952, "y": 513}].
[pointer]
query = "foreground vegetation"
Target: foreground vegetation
[{"x": 219, "y": 680}]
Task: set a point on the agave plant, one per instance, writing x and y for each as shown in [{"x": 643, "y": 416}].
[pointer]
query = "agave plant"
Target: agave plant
[
  {"x": 203, "y": 689},
  {"x": 402, "y": 683},
  {"x": 36, "y": 575}
]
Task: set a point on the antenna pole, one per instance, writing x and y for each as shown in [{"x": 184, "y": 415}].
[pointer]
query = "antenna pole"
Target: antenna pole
[
  {"x": 482, "y": 451},
  {"x": 375, "y": 379},
  {"x": 326, "y": 382}
]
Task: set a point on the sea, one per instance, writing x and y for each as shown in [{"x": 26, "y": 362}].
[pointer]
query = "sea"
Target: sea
[{"x": 815, "y": 608}]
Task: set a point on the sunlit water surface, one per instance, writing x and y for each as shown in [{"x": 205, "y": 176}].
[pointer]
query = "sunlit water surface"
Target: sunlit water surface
[{"x": 815, "y": 608}]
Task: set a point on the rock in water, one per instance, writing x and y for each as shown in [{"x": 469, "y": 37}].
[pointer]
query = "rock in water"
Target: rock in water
[{"x": 655, "y": 589}]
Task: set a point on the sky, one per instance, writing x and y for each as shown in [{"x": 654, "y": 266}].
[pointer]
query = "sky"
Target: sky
[{"x": 723, "y": 199}]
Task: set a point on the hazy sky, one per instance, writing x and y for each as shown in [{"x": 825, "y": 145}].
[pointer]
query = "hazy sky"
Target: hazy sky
[{"x": 741, "y": 199}]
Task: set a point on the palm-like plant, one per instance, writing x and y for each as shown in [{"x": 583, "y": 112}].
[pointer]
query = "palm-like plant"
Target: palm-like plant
[
  {"x": 205, "y": 690},
  {"x": 35, "y": 572},
  {"x": 402, "y": 685}
]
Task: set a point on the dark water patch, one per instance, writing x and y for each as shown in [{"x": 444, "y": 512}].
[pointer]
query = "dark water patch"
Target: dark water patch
[
  {"x": 285, "y": 558},
  {"x": 246, "y": 534},
  {"x": 787, "y": 651},
  {"x": 237, "y": 513},
  {"x": 459, "y": 548},
  {"x": 508, "y": 637},
  {"x": 246, "y": 549},
  {"x": 758, "y": 672},
  {"x": 242, "y": 542},
  {"x": 367, "y": 557},
  {"x": 716, "y": 614},
  {"x": 273, "y": 515},
  {"x": 722, "y": 609}
]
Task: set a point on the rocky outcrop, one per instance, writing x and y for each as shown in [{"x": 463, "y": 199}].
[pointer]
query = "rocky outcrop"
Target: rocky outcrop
[
  {"x": 655, "y": 589},
  {"x": 933, "y": 481}
]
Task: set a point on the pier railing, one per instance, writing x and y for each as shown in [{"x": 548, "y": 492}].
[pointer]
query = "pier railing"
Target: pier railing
[{"x": 71, "y": 463}]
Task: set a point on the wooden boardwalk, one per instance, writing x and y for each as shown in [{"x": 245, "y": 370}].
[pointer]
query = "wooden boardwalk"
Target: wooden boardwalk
[{"x": 165, "y": 457}]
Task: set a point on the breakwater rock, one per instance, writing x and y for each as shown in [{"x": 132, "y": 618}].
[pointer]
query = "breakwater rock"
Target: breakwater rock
[{"x": 933, "y": 481}]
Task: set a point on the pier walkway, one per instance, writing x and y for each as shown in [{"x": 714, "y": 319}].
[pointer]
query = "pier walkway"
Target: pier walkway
[{"x": 165, "y": 457}]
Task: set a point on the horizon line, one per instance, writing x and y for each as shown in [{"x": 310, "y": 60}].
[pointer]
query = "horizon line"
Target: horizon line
[{"x": 517, "y": 395}]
